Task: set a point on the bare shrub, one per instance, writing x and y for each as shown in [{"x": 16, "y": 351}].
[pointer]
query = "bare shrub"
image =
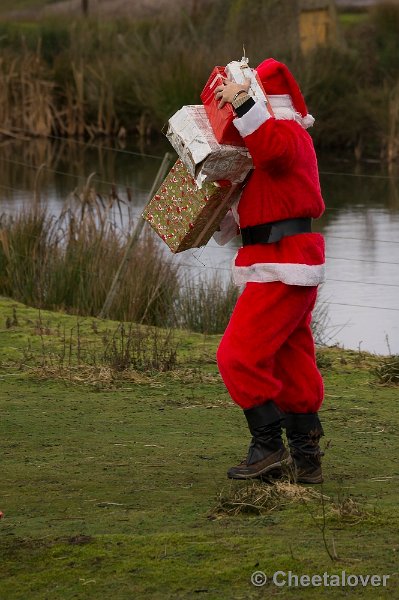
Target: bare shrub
[{"x": 133, "y": 347}]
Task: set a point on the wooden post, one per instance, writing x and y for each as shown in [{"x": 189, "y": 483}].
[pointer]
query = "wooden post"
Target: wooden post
[
  {"x": 160, "y": 176},
  {"x": 85, "y": 8}
]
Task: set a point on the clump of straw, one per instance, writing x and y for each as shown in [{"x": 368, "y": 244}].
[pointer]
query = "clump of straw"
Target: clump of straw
[
  {"x": 387, "y": 371},
  {"x": 257, "y": 498}
]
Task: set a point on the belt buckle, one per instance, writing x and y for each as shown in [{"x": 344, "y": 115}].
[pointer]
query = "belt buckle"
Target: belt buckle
[{"x": 269, "y": 231}]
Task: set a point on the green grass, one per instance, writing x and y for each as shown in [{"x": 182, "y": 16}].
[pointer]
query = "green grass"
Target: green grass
[
  {"x": 109, "y": 491},
  {"x": 348, "y": 19}
]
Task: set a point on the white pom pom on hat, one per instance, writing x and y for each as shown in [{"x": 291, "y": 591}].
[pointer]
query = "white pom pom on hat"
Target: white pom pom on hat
[{"x": 278, "y": 80}]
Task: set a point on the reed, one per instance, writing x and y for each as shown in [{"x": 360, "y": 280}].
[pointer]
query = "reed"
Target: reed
[
  {"x": 116, "y": 76},
  {"x": 206, "y": 305},
  {"x": 26, "y": 94},
  {"x": 69, "y": 262}
]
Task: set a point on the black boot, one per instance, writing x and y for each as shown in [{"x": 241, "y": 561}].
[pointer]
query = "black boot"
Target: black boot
[
  {"x": 266, "y": 452},
  {"x": 303, "y": 433}
]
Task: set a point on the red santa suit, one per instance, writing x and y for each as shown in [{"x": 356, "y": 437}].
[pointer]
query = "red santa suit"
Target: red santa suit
[{"x": 267, "y": 352}]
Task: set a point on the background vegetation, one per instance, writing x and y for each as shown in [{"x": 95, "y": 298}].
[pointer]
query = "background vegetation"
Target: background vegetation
[
  {"x": 86, "y": 77},
  {"x": 68, "y": 263}
]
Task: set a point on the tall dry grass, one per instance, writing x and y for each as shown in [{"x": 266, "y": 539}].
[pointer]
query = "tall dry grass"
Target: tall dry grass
[
  {"x": 68, "y": 262},
  {"x": 26, "y": 94},
  {"x": 96, "y": 77},
  {"x": 206, "y": 305},
  {"x": 91, "y": 77}
]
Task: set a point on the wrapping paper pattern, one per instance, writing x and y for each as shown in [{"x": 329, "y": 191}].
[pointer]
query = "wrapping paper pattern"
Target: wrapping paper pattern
[
  {"x": 191, "y": 135},
  {"x": 185, "y": 216}
]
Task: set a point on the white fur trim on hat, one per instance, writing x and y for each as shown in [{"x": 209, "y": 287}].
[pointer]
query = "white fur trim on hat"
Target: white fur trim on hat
[
  {"x": 289, "y": 273},
  {"x": 281, "y": 102},
  {"x": 307, "y": 121},
  {"x": 254, "y": 118}
]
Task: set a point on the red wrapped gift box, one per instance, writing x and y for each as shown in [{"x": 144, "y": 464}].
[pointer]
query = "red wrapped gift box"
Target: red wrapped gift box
[{"x": 221, "y": 119}]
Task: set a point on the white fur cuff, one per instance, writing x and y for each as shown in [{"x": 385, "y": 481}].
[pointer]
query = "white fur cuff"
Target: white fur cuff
[{"x": 252, "y": 119}]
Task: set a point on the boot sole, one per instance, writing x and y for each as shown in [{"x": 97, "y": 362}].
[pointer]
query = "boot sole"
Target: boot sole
[
  {"x": 278, "y": 465},
  {"x": 318, "y": 479}
]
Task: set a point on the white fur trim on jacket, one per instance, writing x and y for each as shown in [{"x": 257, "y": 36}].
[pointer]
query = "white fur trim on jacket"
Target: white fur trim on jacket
[
  {"x": 289, "y": 273},
  {"x": 252, "y": 119}
]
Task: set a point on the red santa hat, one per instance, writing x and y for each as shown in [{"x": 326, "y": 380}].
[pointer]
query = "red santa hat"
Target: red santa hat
[{"x": 278, "y": 80}]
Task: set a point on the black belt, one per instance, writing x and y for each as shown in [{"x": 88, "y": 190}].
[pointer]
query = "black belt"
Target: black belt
[{"x": 268, "y": 233}]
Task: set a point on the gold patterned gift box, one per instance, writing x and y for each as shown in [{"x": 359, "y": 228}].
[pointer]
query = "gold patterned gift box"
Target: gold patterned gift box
[{"x": 184, "y": 215}]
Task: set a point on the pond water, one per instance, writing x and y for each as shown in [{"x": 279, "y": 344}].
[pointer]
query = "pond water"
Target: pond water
[{"x": 360, "y": 225}]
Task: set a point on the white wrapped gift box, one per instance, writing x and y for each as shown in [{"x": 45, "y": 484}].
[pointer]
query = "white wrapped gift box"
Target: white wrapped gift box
[{"x": 191, "y": 135}]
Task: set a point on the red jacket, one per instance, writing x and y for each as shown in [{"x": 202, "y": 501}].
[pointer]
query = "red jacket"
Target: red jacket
[{"x": 283, "y": 185}]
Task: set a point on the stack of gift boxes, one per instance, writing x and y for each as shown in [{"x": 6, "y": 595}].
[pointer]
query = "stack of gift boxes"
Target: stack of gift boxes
[{"x": 213, "y": 162}]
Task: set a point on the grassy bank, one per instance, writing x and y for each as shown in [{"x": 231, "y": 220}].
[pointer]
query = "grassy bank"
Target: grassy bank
[{"x": 111, "y": 487}]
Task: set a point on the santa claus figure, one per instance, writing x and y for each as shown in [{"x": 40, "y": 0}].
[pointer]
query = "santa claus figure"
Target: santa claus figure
[{"x": 267, "y": 354}]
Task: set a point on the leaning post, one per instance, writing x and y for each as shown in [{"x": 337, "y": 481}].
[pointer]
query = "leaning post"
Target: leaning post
[{"x": 160, "y": 176}]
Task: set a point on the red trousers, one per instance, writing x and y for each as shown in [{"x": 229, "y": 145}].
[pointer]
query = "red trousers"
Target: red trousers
[{"x": 267, "y": 351}]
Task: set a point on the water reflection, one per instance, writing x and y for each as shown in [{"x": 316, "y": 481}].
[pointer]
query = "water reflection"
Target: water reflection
[
  {"x": 360, "y": 224},
  {"x": 69, "y": 163}
]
